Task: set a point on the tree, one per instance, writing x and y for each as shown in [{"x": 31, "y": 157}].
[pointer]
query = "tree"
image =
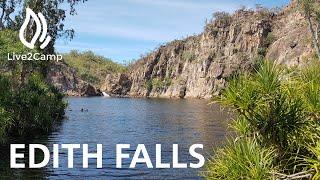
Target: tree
[
  {"x": 311, "y": 12},
  {"x": 9, "y": 42},
  {"x": 55, "y": 16},
  {"x": 12, "y": 16},
  {"x": 54, "y": 11},
  {"x": 222, "y": 17},
  {"x": 7, "y": 8}
]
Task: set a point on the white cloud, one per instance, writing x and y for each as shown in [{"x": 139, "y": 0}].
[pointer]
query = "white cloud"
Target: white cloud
[
  {"x": 147, "y": 20},
  {"x": 139, "y": 25}
]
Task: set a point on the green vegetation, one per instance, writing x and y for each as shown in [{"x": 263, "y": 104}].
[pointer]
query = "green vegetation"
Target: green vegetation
[
  {"x": 188, "y": 56},
  {"x": 28, "y": 105},
  {"x": 270, "y": 39},
  {"x": 221, "y": 17},
  {"x": 311, "y": 12},
  {"x": 218, "y": 18},
  {"x": 92, "y": 68},
  {"x": 242, "y": 159},
  {"x": 277, "y": 125},
  {"x": 158, "y": 84},
  {"x": 34, "y": 108}
]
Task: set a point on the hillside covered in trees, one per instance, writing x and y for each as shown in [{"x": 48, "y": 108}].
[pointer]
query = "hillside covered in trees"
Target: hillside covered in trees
[{"x": 92, "y": 68}]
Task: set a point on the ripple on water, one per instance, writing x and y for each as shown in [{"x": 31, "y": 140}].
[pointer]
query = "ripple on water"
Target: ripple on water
[{"x": 111, "y": 121}]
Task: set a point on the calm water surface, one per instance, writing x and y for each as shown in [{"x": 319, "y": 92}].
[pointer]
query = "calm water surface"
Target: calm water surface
[{"x": 111, "y": 121}]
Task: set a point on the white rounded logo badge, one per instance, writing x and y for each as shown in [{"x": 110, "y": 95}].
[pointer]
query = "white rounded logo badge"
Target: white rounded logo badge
[{"x": 41, "y": 24}]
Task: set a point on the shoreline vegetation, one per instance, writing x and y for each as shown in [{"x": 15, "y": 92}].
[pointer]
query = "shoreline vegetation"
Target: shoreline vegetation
[
  {"x": 28, "y": 105},
  {"x": 277, "y": 125},
  {"x": 277, "y": 108},
  {"x": 277, "y": 122}
]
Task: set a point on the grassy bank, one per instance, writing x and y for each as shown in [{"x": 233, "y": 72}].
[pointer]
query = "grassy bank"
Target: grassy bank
[{"x": 277, "y": 125}]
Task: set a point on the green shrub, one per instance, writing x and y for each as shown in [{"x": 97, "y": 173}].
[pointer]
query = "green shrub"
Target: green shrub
[
  {"x": 148, "y": 85},
  {"x": 309, "y": 80},
  {"x": 241, "y": 126},
  {"x": 34, "y": 108},
  {"x": 6, "y": 118},
  {"x": 28, "y": 105},
  {"x": 314, "y": 162},
  {"x": 278, "y": 109},
  {"x": 9, "y": 42},
  {"x": 157, "y": 83},
  {"x": 271, "y": 38},
  {"x": 37, "y": 106},
  {"x": 222, "y": 18},
  {"x": 268, "y": 107},
  {"x": 188, "y": 56},
  {"x": 242, "y": 159}
]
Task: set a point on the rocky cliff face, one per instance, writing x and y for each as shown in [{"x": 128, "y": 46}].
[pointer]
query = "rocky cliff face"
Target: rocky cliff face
[
  {"x": 199, "y": 66},
  {"x": 292, "y": 40},
  {"x": 117, "y": 84},
  {"x": 66, "y": 80}
]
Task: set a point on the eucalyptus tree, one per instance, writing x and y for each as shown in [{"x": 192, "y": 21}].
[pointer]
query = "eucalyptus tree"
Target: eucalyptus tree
[
  {"x": 311, "y": 11},
  {"x": 55, "y": 13},
  {"x": 7, "y": 8}
]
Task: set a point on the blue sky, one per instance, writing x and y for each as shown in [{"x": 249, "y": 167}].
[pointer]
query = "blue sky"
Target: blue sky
[{"x": 124, "y": 29}]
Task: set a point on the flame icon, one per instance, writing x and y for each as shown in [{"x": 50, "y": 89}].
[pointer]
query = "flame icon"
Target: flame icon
[{"x": 40, "y": 22}]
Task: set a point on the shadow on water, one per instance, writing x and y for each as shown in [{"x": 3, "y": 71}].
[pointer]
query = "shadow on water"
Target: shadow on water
[
  {"x": 111, "y": 121},
  {"x": 26, "y": 173}
]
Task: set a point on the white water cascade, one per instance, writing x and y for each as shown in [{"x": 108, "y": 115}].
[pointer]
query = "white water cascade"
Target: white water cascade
[{"x": 105, "y": 94}]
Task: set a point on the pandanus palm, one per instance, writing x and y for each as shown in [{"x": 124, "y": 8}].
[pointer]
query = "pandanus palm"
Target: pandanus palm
[
  {"x": 279, "y": 109},
  {"x": 268, "y": 107}
]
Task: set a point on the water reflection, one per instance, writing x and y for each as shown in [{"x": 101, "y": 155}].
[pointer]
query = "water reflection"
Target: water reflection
[{"x": 129, "y": 121}]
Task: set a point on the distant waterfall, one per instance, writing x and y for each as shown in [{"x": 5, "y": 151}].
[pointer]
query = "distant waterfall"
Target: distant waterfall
[{"x": 105, "y": 94}]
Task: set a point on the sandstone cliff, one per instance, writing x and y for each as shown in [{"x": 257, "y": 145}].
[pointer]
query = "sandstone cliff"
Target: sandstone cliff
[
  {"x": 68, "y": 82},
  {"x": 199, "y": 66}
]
